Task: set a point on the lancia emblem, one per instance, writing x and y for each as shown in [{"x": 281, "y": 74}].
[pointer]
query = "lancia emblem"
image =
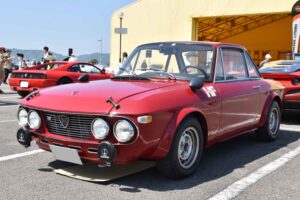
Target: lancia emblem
[{"x": 64, "y": 121}]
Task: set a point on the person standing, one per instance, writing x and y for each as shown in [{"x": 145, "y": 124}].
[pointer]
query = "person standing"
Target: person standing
[
  {"x": 7, "y": 65},
  {"x": 47, "y": 56},
  {"x": 267, "y": 59},
  {"x": 2, "y": 61},
  {"x": 288, "y": 56},
  {"x": 22, "y": 63},
  {"x": 125, "y": 56}
]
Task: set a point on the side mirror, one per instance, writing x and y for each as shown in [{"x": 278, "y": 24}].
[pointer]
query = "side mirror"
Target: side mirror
[
  {"x": 84, "y": 78},
  {"x": 196, "y": 83}
]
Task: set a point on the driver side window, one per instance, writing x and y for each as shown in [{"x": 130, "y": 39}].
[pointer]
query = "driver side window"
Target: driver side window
[{"x": 89, "y": 69}]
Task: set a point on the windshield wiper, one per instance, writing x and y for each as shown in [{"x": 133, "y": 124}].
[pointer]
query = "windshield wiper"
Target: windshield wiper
[{"x": 170, "y": 76}]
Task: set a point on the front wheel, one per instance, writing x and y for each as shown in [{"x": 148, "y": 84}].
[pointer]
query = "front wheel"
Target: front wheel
[
  {"x": 270, "y": 130},
  {"x": 186, "y": 151}
]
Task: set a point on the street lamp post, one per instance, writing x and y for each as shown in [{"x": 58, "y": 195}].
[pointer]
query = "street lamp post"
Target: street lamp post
[
  {"x": 121, "y": 15},
  {"x": 100, "y": 62}
]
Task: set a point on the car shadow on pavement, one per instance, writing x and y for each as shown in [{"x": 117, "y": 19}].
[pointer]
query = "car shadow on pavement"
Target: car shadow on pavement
[
  {"x": 8, "y": 103},
  {"x": 218, "y": 161},
  {"x": 291, "y": 117}
]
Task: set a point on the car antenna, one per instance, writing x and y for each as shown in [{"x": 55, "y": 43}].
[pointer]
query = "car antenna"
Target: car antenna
[{"x": 110, "y": 100}]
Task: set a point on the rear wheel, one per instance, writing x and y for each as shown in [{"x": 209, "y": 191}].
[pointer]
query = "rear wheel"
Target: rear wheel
[
  {"x": 186, "y": 151},
  {"x": 23, "y": 93},
  {"x": 270, "y": 130},
  {"x": 64, "y": 81}
]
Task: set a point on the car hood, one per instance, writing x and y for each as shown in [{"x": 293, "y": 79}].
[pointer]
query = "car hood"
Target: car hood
[{"x": 90, "y": 97}]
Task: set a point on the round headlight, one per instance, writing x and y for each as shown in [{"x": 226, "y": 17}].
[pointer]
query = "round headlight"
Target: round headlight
[
  {"x": 100, "y": 128},
  {"x": 34, "y": 120},
  {"x": 123, "y": 131},
  {"x": 23, "y": 117}
]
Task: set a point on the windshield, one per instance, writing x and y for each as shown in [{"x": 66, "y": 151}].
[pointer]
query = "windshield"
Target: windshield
[
  {"x": 281, "y": 67},
  {"x": 170, "y": 60}
]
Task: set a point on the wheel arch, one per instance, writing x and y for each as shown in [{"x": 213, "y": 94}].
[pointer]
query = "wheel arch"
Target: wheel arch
[
  {"x": 271, "y": 98},
  {"x": 64, "y": 77},
  {"x": 168, "y": 136}
]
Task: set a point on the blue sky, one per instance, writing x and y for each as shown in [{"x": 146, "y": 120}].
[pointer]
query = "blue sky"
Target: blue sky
[{"x": 58, "y": 24}]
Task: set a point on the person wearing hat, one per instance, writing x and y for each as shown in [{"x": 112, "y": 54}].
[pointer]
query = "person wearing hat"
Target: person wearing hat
[
  {"x": 7, "y": 65},
  {"x": 22, "y": 63},
  {"x": 267, "y": 59}
]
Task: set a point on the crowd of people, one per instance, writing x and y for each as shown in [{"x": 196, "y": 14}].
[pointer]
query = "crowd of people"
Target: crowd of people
[{"x": 6, "y": 62}]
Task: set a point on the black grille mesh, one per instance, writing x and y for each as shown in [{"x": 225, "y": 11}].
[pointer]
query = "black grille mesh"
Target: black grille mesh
[{"x": 79, "y": 126}]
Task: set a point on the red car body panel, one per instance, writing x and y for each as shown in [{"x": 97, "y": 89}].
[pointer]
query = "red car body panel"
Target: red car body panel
[
  {"x": 238, "y": 106},
  {"x": 292, "y": 91},
  {"x": 50, "y": 77}
]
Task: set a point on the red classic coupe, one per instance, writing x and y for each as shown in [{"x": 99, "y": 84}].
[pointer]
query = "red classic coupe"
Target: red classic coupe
[
  {"x": 167, "y": 103},
  {"x": 51, "y": 74},
  {"x": 287, "y": 72}
]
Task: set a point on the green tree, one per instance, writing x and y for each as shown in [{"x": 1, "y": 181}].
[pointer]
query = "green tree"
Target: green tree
[{"x": 94, "y": 61}]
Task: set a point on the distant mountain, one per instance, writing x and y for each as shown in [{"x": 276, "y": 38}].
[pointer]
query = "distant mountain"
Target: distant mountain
[{"x": 38, "y": 54}]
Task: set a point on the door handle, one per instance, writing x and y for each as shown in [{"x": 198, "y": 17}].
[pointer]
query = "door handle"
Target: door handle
[{"x": 257, "y": 87}]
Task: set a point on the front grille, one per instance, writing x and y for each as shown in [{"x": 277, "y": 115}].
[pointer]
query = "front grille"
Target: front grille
[{"x": 79, "y": 126}]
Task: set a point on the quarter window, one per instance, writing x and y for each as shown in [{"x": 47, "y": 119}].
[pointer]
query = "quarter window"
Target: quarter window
[
  {"x": 253, "y": 73},
  {"x": 219, "y": 68},
  {"x": 234, "y": 64}
]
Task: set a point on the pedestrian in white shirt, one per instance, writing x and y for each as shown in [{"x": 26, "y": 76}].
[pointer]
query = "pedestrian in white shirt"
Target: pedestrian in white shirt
[{"x": 47, "y": 56}]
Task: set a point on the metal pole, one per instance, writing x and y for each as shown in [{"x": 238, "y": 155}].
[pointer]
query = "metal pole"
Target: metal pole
[
  {"x": 101, "y": 53},
  {"x": 120, "y": 53}
]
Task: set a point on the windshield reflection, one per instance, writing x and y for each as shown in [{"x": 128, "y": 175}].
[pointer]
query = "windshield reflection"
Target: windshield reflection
[{"x": 169, "y": 60}]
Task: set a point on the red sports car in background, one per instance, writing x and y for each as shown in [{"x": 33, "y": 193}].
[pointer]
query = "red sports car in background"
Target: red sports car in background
[
  {"x": 169, "y": 101},
  {"x": 51, "y": 74},
  {"x": 287, "y": 72}
]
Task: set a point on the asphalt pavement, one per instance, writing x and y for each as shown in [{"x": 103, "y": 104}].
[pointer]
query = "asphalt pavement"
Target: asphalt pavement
[{"x": 241, "y": 168}]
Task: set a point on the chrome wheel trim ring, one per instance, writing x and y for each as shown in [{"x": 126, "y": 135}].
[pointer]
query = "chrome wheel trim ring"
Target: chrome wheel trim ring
[
  {"x": 274, "y": 121},
  {"x": 188, "y": 147}
]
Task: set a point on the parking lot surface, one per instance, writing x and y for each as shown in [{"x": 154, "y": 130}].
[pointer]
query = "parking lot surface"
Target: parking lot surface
[{"x": 240, "y": 168}]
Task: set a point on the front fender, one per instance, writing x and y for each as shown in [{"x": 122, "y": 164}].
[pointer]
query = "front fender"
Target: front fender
[
  {"x": 273, "y": 96},
  {"x": 167, "y": 138}
]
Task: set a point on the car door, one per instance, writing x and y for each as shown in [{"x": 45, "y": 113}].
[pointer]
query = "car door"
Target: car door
[
  {"x": 237, "y": 91},
  {"x": 94, "y": 72}
]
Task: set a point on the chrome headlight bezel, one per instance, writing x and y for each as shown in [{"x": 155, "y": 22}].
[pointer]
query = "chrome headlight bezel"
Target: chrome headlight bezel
[
  {"x": 131, "y": 131},
  {"x": 25, "y": 117},
  {"x": 37, "y": 124},
  {"x": 105, "y": 126}
]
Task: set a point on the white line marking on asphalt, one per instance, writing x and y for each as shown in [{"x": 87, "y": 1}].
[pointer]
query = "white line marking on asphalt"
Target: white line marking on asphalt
[
  {"x": 4, "y": 158},
  {"x": 237, "y": 187},
  {"x": 8, "y": 106},
  {"x": 7, "y": 97},
  {"x": 11, "y": 120}
]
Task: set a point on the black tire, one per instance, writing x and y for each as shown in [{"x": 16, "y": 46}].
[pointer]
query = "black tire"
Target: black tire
[
  {"x": 23, "y": 93},
  {"x": 270, "y": 130},
  {"x": 180, "y": 165},
  {"x": 64, "y": 81}
]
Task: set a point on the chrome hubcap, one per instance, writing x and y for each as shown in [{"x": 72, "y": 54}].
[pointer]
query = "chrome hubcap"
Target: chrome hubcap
[
  {"x": 188, "y": 147},
  {"x": 274, "y": 121}
]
